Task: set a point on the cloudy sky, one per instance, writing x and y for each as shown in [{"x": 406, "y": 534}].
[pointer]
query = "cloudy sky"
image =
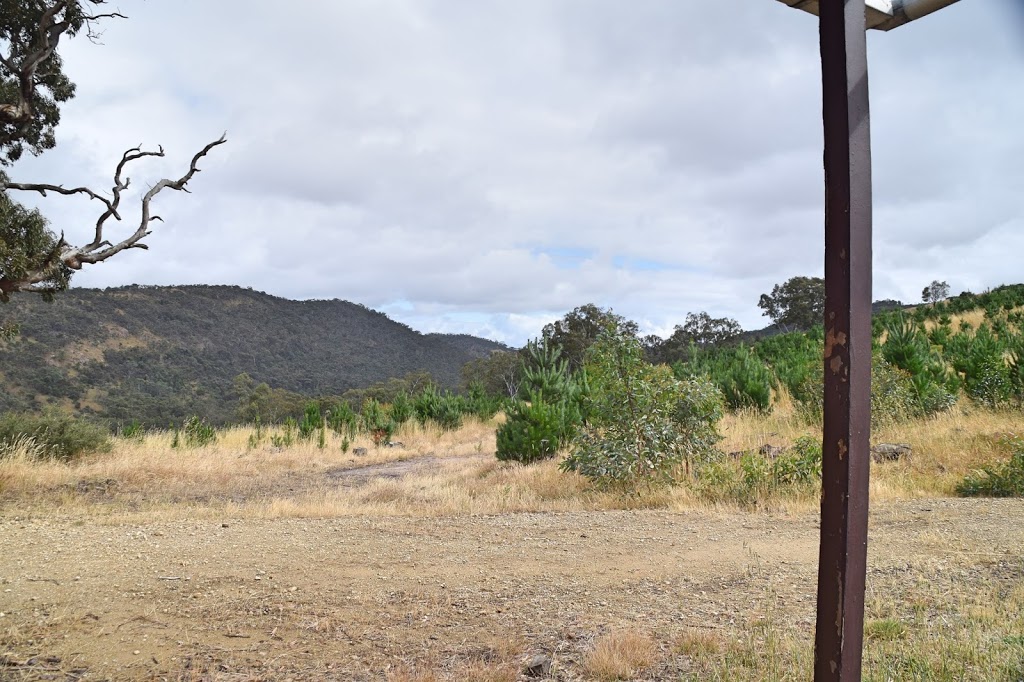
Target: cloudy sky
[{"x": 484, "y": 166}]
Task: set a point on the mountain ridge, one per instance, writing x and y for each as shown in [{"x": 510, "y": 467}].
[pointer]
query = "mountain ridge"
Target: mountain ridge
[{"x": 104, "y": 351}]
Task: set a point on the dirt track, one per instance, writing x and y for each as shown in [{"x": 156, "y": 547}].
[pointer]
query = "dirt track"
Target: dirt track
[{"x": 352, "y": 598}]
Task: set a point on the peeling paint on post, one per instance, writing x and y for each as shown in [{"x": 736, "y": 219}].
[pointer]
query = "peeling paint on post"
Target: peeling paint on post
[{"x": 847, "y": 363}]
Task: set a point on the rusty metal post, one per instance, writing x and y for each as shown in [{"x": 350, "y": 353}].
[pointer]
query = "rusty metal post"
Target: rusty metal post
[{"x": 842, "y": 561}]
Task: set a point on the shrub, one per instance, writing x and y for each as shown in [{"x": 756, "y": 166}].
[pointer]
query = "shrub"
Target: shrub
[
  {"x": 480, "y": 403},
  {"x": 401, "y": 408},
  {"x": 533, "y": 431},
  {"x": 377, "y": 422},
  {"x": 800, "y": 465},
  {"x": 197, "y": 433},
  {"x": 56, "y": 435},
  {"x": 980, "y": 356},
  {"x": 743, "y": 378},
  {"x": 643, "y": 423},
  {"x": 287, "y": 438},
  {"x": 894, "y": 398},
  {"x": 1005, "y": 479},
  {"x": 907, "y": 347},
  {"x": 539, "y": 427},
  {"x": 756, "y": 476},
  {"x": 342, "y": 419},
  {"x": 133, "y": 431},
  {"x": 311, "y": 421}
]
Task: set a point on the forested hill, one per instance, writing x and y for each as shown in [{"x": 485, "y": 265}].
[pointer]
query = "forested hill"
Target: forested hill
[{"x": 165, "y": 352}]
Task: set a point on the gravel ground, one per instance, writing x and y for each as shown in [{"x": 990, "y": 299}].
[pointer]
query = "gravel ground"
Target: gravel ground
[{"x": 357, "y": 598}]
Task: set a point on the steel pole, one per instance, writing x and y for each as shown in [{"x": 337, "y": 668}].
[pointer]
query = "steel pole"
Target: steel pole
[{"x": 842, "y": 561}]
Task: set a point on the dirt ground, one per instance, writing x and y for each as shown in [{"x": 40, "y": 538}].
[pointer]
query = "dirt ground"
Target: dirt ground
[{"x": 360, "y": 598}]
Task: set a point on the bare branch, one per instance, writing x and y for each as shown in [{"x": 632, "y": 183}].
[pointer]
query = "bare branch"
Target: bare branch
[{"x": 100, "y": 249}]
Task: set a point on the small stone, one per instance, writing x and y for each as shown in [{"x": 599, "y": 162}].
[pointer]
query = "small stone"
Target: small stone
[
  {"x": 136, "y": 652},
  {"x": 890, "y": 452},
  {"x": 538, "y": 665}
]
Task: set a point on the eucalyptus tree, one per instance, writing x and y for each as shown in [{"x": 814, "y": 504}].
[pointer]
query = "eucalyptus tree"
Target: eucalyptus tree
[{"x": 33, "y": 86}]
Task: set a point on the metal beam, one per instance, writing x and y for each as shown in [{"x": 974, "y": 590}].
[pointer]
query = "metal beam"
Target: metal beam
[
  {"x": 883, "y": 15},
  {"x": 842, "y": 561}
]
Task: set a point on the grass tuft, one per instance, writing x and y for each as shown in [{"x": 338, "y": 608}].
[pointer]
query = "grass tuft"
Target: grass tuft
[{"x": 620, "y": 655}]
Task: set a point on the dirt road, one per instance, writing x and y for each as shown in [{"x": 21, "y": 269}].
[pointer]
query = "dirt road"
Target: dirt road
[{"x": 357, "y": 598}]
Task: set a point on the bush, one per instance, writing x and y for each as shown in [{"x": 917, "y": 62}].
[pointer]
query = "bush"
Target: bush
[
  {"x": 539, "y": 427},
  {"x": 59, "y": 436},
  {"x": 533, "y": 431},
  {"x": 743, "y": 378},
  {"x": 756, "y": 476},
  {"x": 311, "y": 422},
  {"x": 894, "y": 397},
  {"x": 1005, "y": 479},
  {"x": 643, "y": 423},
  {"x": 377, "y": 422},
  {"x": 133, "y": 431},
  {"x": 197, "y": 432},
  {"x": 908, "y": 348},
  {"x": 342, "y": 419},
  {"x": 798, "y": 466},
  {"x": 401, "y": 408}
]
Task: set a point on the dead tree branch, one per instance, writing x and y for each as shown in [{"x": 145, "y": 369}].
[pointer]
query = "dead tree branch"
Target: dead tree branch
[{"x": 99, "y": 249}]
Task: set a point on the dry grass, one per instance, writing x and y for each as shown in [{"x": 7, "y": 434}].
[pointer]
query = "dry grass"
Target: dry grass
[
  {"x": 442, "y": 473},
  {"x": 620, "y": 655}
]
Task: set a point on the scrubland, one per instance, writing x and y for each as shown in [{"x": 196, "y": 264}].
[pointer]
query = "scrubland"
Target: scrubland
[{"x": 431, "y": 560}]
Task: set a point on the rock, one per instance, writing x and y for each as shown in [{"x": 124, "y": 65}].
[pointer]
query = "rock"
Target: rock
[
  {"x": 538, "y": 665},
  {"x": 395, "y": 444},
  {"x": 359, "y": 452},
  {"x": 890, "y": 452}
]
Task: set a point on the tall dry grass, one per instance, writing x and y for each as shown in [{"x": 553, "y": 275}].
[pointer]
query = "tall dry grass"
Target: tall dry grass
[{"x": 443, "y": 473}]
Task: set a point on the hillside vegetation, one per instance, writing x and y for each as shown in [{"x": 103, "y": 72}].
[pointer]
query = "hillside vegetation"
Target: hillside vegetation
[{"x": 159, "y": 354}]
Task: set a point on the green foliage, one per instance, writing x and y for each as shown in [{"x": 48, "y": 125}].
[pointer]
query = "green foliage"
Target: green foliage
[
  {"x": 402, "y": 408},
  {"x": 743, "y": 378},
  {"x": 175, "y": 351},
  {"x": 894, "y": 398},
  {"x": 26, "y": 246},
  {"x": 545, "y": 423},
  {"x": 57, "y": 435},
  {"x": 908, "y": 348},
  {"x": 533, "y": 431},
  {"x": 311, "y": 421},
  {"x": 1005, "y": 479},
  {"x": 482, "y": 404},
  {"x": 572, "y": 335},
  {"x": 987, "y": 362},
  {"x": 755, "y": 476},
  {"x": 700, "y": 331},
  {"x": 342, "y": 418},
  {"x": 196, "y": 432},
  {"x": 445, "y": 410},
  {"x": 935, "y": 292},
  {"x": 799, "y": 465},
  {"x": 798, "y": 303},
  {"x": 498, "y": 373},
  {"x": 132, "y": 431},
  {"x": 256, "y": 437},
  {"x": 286, "y": 438},
  {"x": 643, "y": 423},
  {"x": 19, "y": 32},
  {"x": 377, "y": 422}
]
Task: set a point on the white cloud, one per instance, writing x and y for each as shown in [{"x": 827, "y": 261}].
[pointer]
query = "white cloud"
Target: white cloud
[{"x": 483, "y": 166}]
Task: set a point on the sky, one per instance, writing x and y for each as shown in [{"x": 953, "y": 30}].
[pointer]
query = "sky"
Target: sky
[{"x": 485, "y": 166}]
